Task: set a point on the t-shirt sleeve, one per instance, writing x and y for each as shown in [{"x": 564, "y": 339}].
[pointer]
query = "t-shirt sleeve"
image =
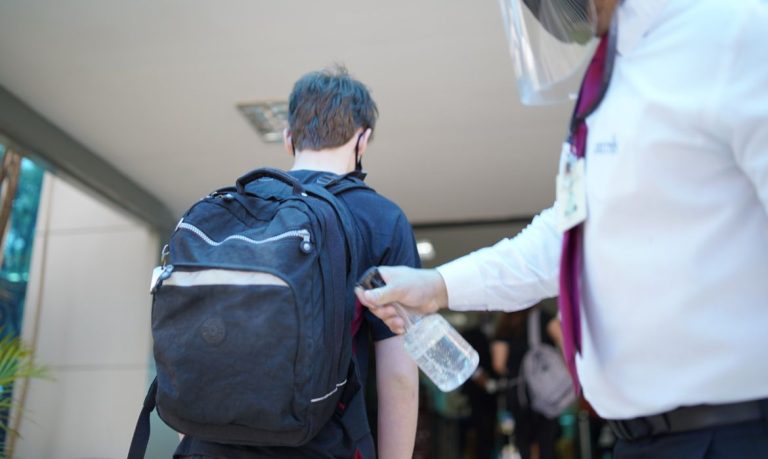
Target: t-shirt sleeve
[{"x": 397, "y": 250}]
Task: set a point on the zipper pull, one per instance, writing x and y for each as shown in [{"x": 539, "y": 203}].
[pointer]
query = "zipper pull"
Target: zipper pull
[
  {"x": 159, "y": 274},
  {"x": 305, "y": 245}
]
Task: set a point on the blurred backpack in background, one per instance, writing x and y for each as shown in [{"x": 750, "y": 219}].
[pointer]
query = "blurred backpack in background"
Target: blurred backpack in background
[{"x": 550, "y": 386}]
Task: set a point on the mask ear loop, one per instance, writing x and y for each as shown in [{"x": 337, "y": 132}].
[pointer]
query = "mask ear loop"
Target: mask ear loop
[
  {"x": 293, "y": 144},
  {"x": 358, "y": 159}
]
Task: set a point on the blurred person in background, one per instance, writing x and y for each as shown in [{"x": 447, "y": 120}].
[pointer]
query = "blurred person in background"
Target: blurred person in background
[
  {"x": 535, "y": 435},
  {"x": 480, "y": 391}
]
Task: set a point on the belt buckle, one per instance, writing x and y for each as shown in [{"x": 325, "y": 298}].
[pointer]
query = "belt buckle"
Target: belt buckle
[
  {"x": 658, "y": 424},
  {"x": 621, "y": 429},
  {"x": 639, "y": 428}
]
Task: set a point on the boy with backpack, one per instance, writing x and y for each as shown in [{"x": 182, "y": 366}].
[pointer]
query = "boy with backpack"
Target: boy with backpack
[{"x": 331, "y": 121}]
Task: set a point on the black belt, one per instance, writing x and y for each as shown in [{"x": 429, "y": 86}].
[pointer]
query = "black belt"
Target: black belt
[{"x": 689, "y": 418}]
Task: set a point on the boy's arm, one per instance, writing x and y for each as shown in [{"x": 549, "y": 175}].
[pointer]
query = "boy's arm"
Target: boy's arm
[{"x": 397, "y": 384}]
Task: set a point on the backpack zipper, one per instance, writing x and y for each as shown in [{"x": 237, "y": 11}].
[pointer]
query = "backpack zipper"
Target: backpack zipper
[{"x": 305, "y": 245}]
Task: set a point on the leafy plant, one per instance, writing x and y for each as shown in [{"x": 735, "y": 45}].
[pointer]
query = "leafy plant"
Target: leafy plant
[{"x": 16, "y": 364}]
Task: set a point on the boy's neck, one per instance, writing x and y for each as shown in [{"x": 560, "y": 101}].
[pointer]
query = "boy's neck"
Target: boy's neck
[{"x": 336, "y": 161}]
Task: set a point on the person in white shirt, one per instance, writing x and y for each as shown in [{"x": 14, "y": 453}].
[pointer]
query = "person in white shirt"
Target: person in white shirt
[{"x": 674, "y": 271}]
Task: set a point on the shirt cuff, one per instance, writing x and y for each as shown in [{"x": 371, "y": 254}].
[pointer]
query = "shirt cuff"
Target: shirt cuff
[{"x": 464, "y": 285}]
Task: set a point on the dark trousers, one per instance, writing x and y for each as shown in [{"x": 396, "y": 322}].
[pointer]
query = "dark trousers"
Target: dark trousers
[{"x": 738, "y": 441}]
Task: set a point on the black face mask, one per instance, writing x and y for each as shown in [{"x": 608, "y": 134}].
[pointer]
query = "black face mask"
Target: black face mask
[{"x": 574, "y": 13}]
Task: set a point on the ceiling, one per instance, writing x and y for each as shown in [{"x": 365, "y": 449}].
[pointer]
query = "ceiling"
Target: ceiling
[{"x": 151, "y": 86}]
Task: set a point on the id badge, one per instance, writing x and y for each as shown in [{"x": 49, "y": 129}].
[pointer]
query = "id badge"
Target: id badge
[{"x": 571, "y": 201}]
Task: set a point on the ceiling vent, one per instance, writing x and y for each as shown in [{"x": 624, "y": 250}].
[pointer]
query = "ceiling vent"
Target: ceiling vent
[{"x": 268, "y": 118}]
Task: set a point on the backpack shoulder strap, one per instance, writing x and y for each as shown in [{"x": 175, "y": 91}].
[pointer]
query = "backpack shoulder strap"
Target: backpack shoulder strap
[
  {"x": 339, "y": 184},
  {"x": 141, "y": 433},
  {"x": 344, "y": 215},
  {"x": 329, "y": 191}
]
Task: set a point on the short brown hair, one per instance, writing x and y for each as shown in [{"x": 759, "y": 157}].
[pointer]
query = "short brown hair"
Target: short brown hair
[{"x": 327, "y": 107}]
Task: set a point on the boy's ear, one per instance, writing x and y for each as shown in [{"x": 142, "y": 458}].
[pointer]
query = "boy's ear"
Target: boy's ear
[
  {"x": 363, "y": 143},
  {"x": 288, "y": 142}
]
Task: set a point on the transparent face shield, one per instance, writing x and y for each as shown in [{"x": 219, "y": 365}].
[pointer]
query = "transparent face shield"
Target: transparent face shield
[{"x": 551, "y": 43}]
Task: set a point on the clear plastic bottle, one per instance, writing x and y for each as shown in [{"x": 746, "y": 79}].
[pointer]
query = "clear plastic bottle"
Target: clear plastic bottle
[{"x": 436, "y": 347}]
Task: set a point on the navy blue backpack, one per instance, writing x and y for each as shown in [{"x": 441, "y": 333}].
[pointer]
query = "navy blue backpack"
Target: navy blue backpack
[{"x": 251, "y": 313}]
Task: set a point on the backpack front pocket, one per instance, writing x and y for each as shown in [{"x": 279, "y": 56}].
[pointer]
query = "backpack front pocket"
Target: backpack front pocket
[{"x": 221, "y": 337}]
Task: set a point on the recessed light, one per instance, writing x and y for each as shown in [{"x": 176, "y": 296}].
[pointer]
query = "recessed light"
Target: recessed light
[{"x": 426, "y": 249}]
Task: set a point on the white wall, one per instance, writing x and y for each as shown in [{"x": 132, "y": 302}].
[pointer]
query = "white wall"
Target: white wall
[{"x": 88, "y": 300}]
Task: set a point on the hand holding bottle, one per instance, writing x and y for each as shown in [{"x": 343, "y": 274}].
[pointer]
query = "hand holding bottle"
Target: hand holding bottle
[
  {"x": 421, "y": 291},
  {"x": 436, "y": 347}
]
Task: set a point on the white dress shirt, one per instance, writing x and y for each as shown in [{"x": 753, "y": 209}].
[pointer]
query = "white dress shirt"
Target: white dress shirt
[{"x": 675, "y": 275}]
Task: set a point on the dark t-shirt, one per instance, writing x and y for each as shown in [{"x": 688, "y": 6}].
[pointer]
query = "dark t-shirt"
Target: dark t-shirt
[{"x": 387, "y": 240}]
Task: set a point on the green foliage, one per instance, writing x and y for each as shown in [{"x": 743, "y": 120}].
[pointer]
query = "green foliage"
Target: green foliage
[{"x": 16, "y": 364}]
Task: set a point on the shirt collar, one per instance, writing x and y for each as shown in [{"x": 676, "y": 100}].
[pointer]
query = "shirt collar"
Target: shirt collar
[{"x": 635, "y": 18}]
